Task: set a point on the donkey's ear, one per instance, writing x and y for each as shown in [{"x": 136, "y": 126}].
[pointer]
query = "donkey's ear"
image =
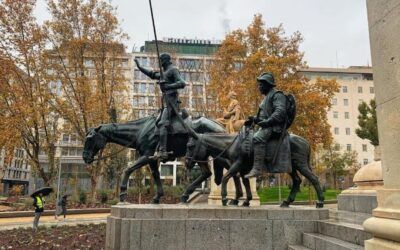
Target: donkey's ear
[{"x": 97, "y": 129}]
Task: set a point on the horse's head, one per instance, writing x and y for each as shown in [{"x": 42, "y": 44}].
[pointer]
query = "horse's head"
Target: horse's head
[
  {"x": 195, "y": 151},
  {"x": 93, "y": 143}
]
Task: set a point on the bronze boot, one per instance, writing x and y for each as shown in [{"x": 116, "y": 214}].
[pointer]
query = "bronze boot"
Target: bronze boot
[{"x": 259, "y": 157}]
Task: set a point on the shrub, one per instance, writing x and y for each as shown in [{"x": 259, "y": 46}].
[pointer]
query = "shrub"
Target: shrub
[
  {"x": 113, "y": 202},
  {"x": 174, "y": 191},
  {"x": 103, "y": 196},
  {"x": 82, "y": 197}
]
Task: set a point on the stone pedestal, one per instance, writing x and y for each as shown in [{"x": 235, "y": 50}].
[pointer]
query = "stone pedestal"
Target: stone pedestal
[
  {"x": 384, "y": 24},
  {"x": 215, "y": 191},
  {"x": 209, "y": 227},
  {"x": 362, "y": 198}
]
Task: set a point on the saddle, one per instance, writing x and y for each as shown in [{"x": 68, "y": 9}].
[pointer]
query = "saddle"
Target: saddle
[
  {"x": 175, "y": 126},
  {"x": 283, "y": 159}
]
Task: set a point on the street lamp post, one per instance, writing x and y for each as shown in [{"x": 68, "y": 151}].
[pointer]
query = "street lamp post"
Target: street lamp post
[{"x": 58, "y": 187}]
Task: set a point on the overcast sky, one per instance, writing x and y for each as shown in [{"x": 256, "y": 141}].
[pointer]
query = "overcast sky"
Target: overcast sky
[{"x": 335, "y": 31}]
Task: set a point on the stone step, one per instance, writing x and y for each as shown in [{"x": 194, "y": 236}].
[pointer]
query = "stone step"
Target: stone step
[
  {"x": 349, "y": 217},
  {"x": 320, "y": 241},
  {"x": 297, "y": 247},
  {"x": 349, "y": 232}
]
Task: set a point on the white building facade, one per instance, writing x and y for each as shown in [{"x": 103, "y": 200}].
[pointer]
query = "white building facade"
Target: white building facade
[{"x": 356, "y": 86}]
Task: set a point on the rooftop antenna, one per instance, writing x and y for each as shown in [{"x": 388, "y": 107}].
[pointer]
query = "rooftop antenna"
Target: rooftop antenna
[{"x": 337, "y": 60}]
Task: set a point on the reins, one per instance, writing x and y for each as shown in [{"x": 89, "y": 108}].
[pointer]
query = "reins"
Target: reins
[
  {"x": 108, "y": 156},
  {"x": 202, "y": 141}
]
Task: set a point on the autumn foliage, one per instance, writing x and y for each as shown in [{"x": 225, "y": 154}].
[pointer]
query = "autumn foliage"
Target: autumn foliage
[
  {"x": 245, "y": 54},
  {"x": 63, "y": 76}
]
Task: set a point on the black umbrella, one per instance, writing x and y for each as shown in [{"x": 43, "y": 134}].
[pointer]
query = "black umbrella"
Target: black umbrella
[{"x": 44, "y": 190}]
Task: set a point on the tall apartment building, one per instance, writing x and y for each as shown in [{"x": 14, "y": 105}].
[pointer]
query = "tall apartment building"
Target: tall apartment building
[
  {"x": 18, "y": 172},
  {"x": 356, "y": 85}
]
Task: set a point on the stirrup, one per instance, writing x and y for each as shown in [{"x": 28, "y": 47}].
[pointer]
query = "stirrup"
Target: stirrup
[{"x": 159, "y": 155}]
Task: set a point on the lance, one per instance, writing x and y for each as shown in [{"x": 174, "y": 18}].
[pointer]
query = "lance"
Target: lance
[{"x": 164, "y": 96}]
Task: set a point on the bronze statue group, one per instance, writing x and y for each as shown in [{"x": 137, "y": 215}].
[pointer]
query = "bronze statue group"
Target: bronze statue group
[{"x": 262, "y": 144}]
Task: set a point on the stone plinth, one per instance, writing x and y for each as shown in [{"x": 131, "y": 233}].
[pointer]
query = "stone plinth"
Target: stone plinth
[
  {"x": 209, "y": 227},
  {"x": 214, "y": 197},
  {"x": 384, "y": 22},
  {"x": 362, "y": 198}
]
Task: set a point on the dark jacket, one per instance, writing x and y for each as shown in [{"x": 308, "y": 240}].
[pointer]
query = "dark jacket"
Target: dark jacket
[
  {"x": 272, "y": 111},
  {"x": 273, "y": 116}
]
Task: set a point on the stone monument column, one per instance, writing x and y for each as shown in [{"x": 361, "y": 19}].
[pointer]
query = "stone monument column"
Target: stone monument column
[{"x": 384, "y": 30}]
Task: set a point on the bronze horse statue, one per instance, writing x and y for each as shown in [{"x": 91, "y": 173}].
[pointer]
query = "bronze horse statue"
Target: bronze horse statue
[
  {"x": 230, "y": 147},
  {"x": 140, "y": 135}
]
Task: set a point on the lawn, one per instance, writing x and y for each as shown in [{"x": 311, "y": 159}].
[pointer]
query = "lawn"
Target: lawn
[{"x": 271, "y": 194}]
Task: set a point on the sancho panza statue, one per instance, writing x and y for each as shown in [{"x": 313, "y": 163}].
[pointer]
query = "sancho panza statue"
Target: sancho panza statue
[
  {"x": 233, "y": 116},
  {"x": 272, "y": 119},
  {"x": 171, "y": 82}
]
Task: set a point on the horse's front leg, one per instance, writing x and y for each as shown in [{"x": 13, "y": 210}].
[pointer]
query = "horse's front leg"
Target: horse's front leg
[
  {"x": 231, "y": 172},
  {"x": 239, "y": 191},
  {"x": 205, "y": 173},
  {"x": 249, "y": 195},
  {"x": 143, "y": 160},
  {"x": 156, "y": 176}
]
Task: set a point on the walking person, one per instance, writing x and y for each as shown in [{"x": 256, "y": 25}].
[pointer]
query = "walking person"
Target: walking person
[
  {"x": 63, "y": 205},
  {"x": 38, "y": 203}
]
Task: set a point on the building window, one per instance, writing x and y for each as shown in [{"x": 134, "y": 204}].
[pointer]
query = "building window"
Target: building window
[
  {"x": 346, "y": 115},
  {"x": 142, "y": 101},
  {"x": 135, "y": 102},
  {"x": 142, "y": 88},
  {"x": 151, "y": 88},
  {"x": 347, "y": 131},
  {"x": 142, "y": 113},
  {"x": 371, "y": 90},
  {"x": 344, "y": 89},
  {"x": 65, "y": 138},
  {"x": 360, "y": 89},
  {"x": 167, "y": 170},
  {"x": 336, "y": 131},
  {"x": 346, "y": 102},
  {"x": 365, "y": 161},
  {"x": 334, "y": 101},
  {"x": 364, "y": 147},
  {"x": 337, "y": 146},
  {"x": 335, "y": 114},
  {"x": 348, "y": 147},
  {"x": 151, "y": 101}
]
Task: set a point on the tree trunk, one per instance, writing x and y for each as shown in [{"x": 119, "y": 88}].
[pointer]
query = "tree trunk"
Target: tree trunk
[
  {"x": 93, "y": 191},
  {"x": 334, "y": 179}
]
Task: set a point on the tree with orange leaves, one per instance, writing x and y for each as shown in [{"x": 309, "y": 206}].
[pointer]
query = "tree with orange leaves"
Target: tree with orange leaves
[
  {"x": 27, "y": 119},
  {"x": 244, "y": 54},
  {"x": 87, "y": 58}
]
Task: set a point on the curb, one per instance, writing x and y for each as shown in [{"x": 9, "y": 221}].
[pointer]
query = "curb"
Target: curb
[{"x": 52, "y": 212}]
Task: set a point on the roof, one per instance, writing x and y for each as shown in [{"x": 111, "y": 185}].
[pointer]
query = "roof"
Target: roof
[{"x": 349, "y": 70}]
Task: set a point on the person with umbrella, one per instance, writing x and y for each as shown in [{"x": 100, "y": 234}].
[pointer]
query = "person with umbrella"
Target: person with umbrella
[{"x": 38, "y": 203}]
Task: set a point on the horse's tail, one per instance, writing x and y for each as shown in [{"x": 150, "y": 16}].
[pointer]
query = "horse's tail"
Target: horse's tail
[{"x": 218, "y": 174}]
